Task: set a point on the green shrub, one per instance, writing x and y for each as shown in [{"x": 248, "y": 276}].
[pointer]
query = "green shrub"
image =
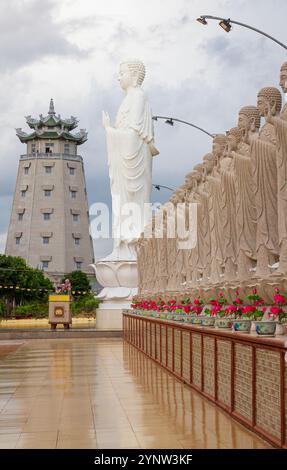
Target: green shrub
[
  {"x": 3, "y": 310},
  {"x": 87, "y": 303},
  {"x": 32, "y": 310}
]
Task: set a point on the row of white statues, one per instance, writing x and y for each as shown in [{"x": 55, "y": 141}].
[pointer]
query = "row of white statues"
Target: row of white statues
[{"x": 240, "y": 190}]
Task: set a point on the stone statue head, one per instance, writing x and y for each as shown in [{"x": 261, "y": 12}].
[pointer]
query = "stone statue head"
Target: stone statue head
[
  {"x": 269, "y": 101},
  {"x": 131, "y": 74},
  {"x": 219, "y": 144},
  {"x": 208, "y": 164},
  {"x": 249, "y": 119},
  {"x": 234, "y": 136},
  {"x": 283, "y": 77}
]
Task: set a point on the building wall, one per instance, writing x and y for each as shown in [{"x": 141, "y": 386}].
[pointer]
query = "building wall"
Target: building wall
[{"x": 60, "y": 229}]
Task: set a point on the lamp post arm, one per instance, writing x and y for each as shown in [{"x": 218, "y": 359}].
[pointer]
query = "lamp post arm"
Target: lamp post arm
[
  {"x": 162, "y": 186},
  {"x": 184, "y": 122},
  {"x": 208, "y": 17}
]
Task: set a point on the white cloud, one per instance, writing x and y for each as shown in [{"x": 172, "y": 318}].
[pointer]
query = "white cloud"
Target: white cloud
[{"x": 70, "y": 50}]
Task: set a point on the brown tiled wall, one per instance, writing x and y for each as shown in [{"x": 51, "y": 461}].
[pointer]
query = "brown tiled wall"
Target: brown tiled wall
[
  {"x": 243, "y": 381},
  {"x": 239, "y": 374},
  {"x": 224, "y": 372},
  {"x": 268, "y": 391},
  {"x": 208, "y": 365},
  {"x": 196, "y": 359},
  {"x": 186, "y": 356},
  {"x": 177, "y": 352}
]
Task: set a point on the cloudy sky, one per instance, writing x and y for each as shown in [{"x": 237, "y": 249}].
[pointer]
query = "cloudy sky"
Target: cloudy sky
[{"x": 70, "y": 50}]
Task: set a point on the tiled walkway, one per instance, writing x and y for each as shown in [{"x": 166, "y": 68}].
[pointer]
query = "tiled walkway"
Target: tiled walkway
[{"x": 102, "y": 393}]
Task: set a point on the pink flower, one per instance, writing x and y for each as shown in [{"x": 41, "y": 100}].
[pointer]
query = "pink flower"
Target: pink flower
[
  {"x": 237, "y": 292},
  {"x": 275, "y": 310},
  {"x": 279, "y": 299},
  {"x": 276, "y": 290},
  {"x": 215, "y": 310},
  {"x": 249, "y": 309},
  {"x": 238, "y": 301},
  {"x": 254, "y": 290},
  {"x": 231, "y": 308}
]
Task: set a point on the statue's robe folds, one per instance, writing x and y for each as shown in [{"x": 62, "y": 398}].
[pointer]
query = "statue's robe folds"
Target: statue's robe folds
[
  {"x": 130, "y": 150},
  {"x": 228, "y": 213},
  {"x": 263, "y": 156},
  {"x": 245, "y": 205},
  {"x": 280, "y": 125},
  {"x": 216, "y": 228},
  {"x": 204, "y": 230}
]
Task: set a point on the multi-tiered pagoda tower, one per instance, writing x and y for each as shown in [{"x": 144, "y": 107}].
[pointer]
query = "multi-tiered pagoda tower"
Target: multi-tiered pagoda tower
[{"x": 49, "y": 224}]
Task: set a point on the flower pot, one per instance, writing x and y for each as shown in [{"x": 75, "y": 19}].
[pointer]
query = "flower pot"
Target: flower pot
[
  {"x": 242, "y": 326},
  {"x": 265, "y": 328},
  {"x": 208, "y": 321},
  {"x": 224, "y": 323},
  {"x": 188, "y": 318},
  {"x": 197, "y": 320}
]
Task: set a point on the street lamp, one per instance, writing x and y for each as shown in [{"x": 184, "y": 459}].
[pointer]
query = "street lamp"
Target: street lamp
[
  {"x": 225, "y": 23},
  {"x": 171, "y": 120},
  {"x": 159, "y": 186}
]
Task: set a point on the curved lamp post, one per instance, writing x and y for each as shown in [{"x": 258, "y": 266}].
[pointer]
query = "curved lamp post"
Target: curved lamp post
[
  {"x": 225, "y": 23},
  {"x": 159, "y": 186},
  {"x": 171, "y": 120}
]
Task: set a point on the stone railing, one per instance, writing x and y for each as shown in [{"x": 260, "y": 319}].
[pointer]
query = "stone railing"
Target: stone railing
[{"x": 243, "y": 374}]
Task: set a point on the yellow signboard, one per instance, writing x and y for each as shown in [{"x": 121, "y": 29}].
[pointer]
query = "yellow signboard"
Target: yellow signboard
[{"x": 59, "y": 298}]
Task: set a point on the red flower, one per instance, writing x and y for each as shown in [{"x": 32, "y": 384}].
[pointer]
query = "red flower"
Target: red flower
[
  {"x": 249, "y": 309},
  {"x": 215, "y": 310},
  {"x": 231, "y": 308},
  {"x": 275, "y": 310},
  {"x": 279, "y": 299},
  {"x": 186, "y": 308},
  {"x": 254, "y": 290},
  {"x": 238, "y": 301},
  {"x": 237, "y": 292}
]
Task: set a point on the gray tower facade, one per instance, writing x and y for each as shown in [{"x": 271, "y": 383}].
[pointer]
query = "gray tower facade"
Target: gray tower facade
[{"x": 49, "y": 225}]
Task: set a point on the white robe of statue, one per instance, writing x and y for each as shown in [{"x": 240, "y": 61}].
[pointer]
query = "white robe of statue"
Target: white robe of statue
[{"x": 130, "y": 147}]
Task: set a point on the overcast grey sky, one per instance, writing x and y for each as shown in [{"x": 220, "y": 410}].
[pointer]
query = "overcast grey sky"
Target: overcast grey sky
[{"x": 70, "y": 50}]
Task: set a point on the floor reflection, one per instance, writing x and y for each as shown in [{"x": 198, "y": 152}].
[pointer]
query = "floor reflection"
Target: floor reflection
[{"x": 103, "y": 393}]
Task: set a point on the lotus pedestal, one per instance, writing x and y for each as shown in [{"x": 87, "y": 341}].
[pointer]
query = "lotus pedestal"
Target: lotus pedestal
[{"x": 119, "y": 279}]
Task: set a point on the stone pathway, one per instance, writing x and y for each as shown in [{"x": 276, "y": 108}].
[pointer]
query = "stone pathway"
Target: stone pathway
[{"x": 103, "y": 393}]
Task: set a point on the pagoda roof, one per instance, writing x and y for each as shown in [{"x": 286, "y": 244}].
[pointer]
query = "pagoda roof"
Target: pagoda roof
[{"x": 52, "y": 127}]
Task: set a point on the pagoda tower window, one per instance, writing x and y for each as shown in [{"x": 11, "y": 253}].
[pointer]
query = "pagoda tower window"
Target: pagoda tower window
[
  {"x": 67, "y": 149},
  {"x": 73, "y": 194},
  {"x": 75, "y": 217},
  {"x": 48, "y": 169},
  {"x": 17, "y": 240},
  {"x": 47, "y": 192},
  {"x": 26, "y": 170},
  {"x": 46, "y": 240},
  {"x": 45, "y": 264},
  {"x": 47, "y": 216},
  {"x": 49, "y": 148},
  {"x": 78, "y": 264},
  {"x": 20, "y": 216},
  {"x": 72, "y": 171}
]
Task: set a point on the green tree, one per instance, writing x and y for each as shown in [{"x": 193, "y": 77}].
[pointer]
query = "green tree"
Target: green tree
[
  {"x": 20, "y": 283},
  {"x": 79, "y": 282}
]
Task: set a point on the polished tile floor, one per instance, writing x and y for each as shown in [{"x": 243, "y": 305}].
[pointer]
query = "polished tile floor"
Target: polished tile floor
[{"x": 103, "y": 393}]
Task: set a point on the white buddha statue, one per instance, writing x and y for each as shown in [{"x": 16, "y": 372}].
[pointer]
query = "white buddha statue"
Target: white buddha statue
[{"x": 130, "y": 146}]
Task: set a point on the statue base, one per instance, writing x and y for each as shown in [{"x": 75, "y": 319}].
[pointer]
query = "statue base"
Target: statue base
[{"x": 119, "y": 279}]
